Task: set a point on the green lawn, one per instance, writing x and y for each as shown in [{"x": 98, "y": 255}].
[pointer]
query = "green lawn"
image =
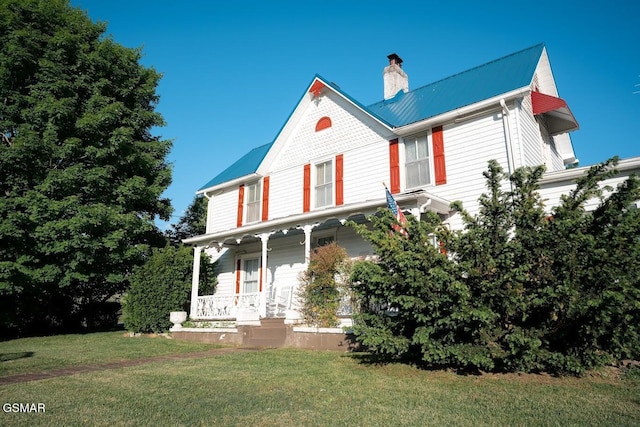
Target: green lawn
[
  {"x": 309, "y": 388},
  {"x": 28, "y": 355}
]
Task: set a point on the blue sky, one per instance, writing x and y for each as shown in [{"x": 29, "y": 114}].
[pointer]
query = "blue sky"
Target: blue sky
[{"x": 234, "y": 70}]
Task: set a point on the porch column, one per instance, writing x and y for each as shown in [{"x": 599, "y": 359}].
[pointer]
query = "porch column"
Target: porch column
[
  {"x": 195, "y": 281},
  {"x": 263, "y": 275},
  {"x": 307, "y": 243}
]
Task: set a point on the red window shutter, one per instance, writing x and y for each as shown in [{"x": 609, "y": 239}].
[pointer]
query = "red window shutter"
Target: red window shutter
[
  {"x": 394, "y": 166},
  {"x": 238, "y": 273},
  {"x": 265, "y": 198},
  {"x": 306, "y": 189},
  {"x": 438, "y": 156},
  {"x": 339, "y": 180},
  {"x": 240, "y": 205}
]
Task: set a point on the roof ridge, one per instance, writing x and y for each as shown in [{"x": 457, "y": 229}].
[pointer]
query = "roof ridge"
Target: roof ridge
[{"x": 502, "y": 58}]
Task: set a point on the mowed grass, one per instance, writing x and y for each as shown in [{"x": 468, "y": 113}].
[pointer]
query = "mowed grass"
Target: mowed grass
[
  {"x": 288, "y": 387},
  {"x": 28, "y": 355}
]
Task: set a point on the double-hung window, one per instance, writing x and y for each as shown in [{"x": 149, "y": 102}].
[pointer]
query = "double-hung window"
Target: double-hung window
[
  {"x": 416, "y": 151},
  {"x": 253, "y": 202},
  {"x": 251, "y": 280},
  {"x": 324, "y": 184}
]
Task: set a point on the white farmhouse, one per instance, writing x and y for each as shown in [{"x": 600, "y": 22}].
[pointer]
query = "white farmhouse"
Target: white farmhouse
[{"x": 268, "y": 210}]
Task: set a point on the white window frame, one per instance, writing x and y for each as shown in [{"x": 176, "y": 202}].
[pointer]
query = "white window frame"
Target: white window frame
[
  {"x": 253, "y": 206},
  {"x": 244, "y": 275},
  {"x": 405, "y": 162},
  {"x": 320, "y": 237},
  {"x": 331, "y": 184}
]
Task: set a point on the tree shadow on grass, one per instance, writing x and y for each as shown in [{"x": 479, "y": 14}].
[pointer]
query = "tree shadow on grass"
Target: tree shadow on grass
[
  {"x": 365, "y": 358},
  {"x": 6, "y": 357}
]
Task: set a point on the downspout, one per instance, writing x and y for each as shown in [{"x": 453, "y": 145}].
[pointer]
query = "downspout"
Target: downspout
[
  {"x": 423, "y": 208},
  {"x": 507, "y": 138}
]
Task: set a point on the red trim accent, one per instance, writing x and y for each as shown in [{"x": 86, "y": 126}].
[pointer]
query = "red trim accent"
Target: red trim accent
[
  {"x": 339, "y": 179},
  {"x": 265, "y": 198},
  {"x": 394, "y": 166},
  {"x": 439, "y": 164},
  {"x": 316, "y": 88},
  {"x": 544, "y": 103},
  {"x": 306, "y": 189},
  {"x": 238, "y": 272},
  {"x": 323, "y": 123},
  {"x": 260, "y": 273},
  {"x": 240, "y": 205}
]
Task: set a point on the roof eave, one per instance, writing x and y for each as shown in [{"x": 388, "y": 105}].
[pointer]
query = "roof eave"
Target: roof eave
[
  {"x": 462, "y": 112},
  {"x": 233, "y": 182},
  {"x": 630, "y": 165},
  {"x": 292, "y": 221}
]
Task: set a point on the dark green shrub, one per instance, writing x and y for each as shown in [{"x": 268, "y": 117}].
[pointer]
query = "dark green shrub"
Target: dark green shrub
[
  {"x": 161, "y": 285},
  {"x": 521, "y": 290}
]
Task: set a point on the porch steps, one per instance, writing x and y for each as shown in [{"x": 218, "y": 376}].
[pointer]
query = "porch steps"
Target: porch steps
[{"x": 272, "y": 333}]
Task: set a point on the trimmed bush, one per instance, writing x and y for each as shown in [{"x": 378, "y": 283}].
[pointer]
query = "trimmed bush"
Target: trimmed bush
[{"x": 161, "y": 285}]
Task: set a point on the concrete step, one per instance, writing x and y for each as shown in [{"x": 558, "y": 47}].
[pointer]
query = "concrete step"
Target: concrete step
[{"x": 272, "y": 333}]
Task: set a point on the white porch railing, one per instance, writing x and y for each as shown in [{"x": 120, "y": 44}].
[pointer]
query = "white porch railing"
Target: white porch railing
[
  {"x": 226, "y": 307},
  {"x": 217, "y": 307}
]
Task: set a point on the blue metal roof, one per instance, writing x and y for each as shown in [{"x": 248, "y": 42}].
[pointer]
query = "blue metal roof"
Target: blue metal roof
[
  {"x": 246, "y": 165},
  {"x": 477, "y": 84}
]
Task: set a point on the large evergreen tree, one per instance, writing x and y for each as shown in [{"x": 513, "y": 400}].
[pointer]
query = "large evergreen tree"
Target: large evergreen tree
[
  {"x": 522, "y": 288},
  {"x": 81, "y": 175}
]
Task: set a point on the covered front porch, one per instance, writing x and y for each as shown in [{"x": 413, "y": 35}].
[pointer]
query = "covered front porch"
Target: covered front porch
[{"x": 259, "y": 264}]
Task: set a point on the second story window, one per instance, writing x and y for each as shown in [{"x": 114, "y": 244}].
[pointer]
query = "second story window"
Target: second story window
[
  {"x": 324, "y": 184},
  {"x": 417, "y": 161},
  {"x": 253, "y": 202}
]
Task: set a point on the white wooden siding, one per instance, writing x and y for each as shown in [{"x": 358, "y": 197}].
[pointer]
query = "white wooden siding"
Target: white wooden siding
[
  {"x": 552, "y": 192},
  {"x": 223, "y": 211},
  {"x": 355, "y": 245},
  {"x": 365, "y": 169},
  {"x": 557, "y": 163},
  {"x": 544, "y": 76},
  {"x": 530, "y": 131},
  {"x": 350, "y": 129},
  {"x": 468, "y": 147},
  {"x": 285, "y": 192},
  {"x": 225, "y": 270}
]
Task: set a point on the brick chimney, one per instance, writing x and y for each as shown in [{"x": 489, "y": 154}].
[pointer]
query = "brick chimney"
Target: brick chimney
[{"x": 395, "y": 79}]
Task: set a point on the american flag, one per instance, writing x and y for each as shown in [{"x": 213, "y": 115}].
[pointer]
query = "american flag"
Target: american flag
[{"x": 393, "y": 205}]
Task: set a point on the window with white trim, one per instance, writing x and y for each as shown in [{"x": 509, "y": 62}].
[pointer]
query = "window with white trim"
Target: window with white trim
[
  {"x": 324, "y": 184},
  {"x": 253, "y": 202},
  {"x": 251, "y": 281},
  {"x": 416, "y": 151}
]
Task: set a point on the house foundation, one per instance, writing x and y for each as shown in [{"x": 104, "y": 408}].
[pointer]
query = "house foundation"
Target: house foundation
[{"x": 272, "y": 333}]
